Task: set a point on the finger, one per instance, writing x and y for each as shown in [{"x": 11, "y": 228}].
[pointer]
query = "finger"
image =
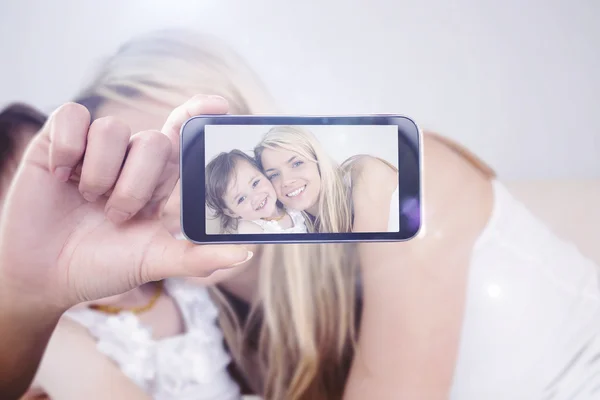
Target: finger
[
  {"x": 197, "y": 105},
  {"x": 68, "y": 130},
  {"x": 169, "y": 257},
  {"x": 107, "y": 143},
  {"x": 144, "y": 166}
]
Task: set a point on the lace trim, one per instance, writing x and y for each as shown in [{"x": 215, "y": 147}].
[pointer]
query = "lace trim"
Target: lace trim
[
  {"x": 192, "y": 364},
  {"x": 274, "y": 226}
]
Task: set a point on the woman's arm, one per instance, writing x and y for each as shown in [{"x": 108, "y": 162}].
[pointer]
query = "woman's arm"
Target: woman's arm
[
  {"x": 414, "y": 292},
  {"x": 73, "y": 369},
  {"x": 373, "y": 183}
]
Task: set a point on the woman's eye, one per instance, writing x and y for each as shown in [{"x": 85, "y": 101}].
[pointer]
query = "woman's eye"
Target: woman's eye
[
  {"x": 241, "y": 199},
  {"x": 255, "y": 183},
  {"x": 272, "y": 177},
  {"x": 297, "y": 164}
]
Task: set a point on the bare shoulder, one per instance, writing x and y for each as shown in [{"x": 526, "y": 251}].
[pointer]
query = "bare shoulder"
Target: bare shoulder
[
  {"x": 372, "y": 171},
  {"x": 248, "y": 227},
  {"x": 457, "y": 191},
  {"x": 73, "y": 351},
  {"x": 414, "y": 314}
]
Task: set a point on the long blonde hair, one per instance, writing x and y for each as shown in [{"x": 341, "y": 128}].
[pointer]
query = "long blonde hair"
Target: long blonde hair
[
  {"x": 334, "y": 210},
  {"x": 301, "y": 327}
]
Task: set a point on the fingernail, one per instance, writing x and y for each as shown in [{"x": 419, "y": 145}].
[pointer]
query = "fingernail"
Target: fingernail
[
  {"x": 248, "y": 257},
  {"x": 220, "y": 99},
  {"x": 63, "y": 173},
  {"x": 117, "y": 215},
  {"x": 90, "y": 197}
]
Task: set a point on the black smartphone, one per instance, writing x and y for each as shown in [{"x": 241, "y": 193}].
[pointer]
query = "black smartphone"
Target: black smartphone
[{"x": 300, "y": 179}]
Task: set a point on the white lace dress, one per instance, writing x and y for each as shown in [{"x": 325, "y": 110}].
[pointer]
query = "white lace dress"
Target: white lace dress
[
  {"x": 274, "y": 227},
  {"x": 192, "y": 365}
]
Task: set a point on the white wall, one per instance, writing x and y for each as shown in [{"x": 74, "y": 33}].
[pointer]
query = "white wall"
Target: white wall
[
  {"x": 338, "y": 141},
  {"x": 515, "y": 81}
]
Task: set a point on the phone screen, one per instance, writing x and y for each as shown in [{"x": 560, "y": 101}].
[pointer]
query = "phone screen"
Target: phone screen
[{"x": 268, "y": 179}]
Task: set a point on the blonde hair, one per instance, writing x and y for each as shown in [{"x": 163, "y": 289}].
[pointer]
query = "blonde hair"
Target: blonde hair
[
  {"x": 334, "y": 211},
  {"x": 169, "y": 67},
  {"x": 300, "y": 333}
]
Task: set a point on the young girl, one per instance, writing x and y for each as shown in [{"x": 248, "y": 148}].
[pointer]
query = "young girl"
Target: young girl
[{"x": 244, "y": 199}]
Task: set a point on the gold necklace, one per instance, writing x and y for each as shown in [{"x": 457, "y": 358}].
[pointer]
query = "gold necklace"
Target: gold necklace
[
  {"x": 108, "y": 309},
  {"x": 278, "y": 218}
]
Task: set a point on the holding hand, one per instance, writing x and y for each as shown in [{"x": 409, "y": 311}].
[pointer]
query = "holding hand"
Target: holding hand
[{"x": 82, "y": 219}]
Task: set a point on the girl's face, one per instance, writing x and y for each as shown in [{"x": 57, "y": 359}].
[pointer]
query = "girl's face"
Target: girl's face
[
  {"x": 249, "y": 194},
  {"x": 296, "y": 180}
]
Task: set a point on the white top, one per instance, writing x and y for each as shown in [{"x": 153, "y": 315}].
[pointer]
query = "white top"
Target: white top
[
  {"x": 532, "y": 324},
  {"x": 299, "y": 224},
  {"x": 187, "y": 366}
]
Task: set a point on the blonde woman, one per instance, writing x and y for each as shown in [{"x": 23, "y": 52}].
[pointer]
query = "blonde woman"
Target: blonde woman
[
  {"x": 361, "y": 195},
  {"x": 400, "y": 320}
]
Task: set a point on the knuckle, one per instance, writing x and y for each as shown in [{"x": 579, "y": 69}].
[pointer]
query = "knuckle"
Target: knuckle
[
  {"x": 110, "y": 126},
  {"x": 68, "y": 148},
  {"x": 96, "y": 184},
  {"x": 130, "y": 198},
  {"x": 73, "y": 110},
  {"x": 154, "y": 141}
]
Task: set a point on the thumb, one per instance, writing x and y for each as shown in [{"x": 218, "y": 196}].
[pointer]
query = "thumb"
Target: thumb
[{"x": 168, "y": 257}]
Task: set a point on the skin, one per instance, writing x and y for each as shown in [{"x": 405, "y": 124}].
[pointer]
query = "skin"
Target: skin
[
  {"x": 296, "y": 180},
  {"x": 100, "y": 379},
  {"x": 411, "y": 317}
]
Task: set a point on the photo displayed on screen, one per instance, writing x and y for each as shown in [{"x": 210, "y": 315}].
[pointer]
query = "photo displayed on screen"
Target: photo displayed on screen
[{"x": 292, "y": 179}]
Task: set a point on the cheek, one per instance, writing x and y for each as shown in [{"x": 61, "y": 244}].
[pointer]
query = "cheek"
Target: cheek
[
  {"x": 246, "y": 207},
  {"x": 276, "y": 187}
]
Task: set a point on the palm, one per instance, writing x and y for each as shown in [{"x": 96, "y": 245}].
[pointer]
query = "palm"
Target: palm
[
  {"x": 67, "y": 242},
  {"x": 62, "y": 248}
]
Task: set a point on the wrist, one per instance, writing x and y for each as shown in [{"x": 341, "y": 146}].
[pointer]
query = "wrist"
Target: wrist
[
  {"x": 26, "y": 325},
  {"x": 23, "y": 302}
]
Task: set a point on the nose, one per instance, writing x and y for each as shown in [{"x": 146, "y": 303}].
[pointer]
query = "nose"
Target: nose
[{"x": 288, "y": 180}]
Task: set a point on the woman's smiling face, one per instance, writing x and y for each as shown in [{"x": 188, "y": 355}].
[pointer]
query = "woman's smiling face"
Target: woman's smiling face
[{"x": 296, "y": 180}]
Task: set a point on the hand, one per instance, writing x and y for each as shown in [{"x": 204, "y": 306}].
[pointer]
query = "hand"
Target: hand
[{"x": 82, "y": 219}]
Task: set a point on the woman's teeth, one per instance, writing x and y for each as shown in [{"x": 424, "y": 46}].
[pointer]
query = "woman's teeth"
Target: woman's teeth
[{"x": 296, "y": 192}]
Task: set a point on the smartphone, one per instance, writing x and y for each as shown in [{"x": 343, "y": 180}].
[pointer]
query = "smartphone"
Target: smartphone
[{"x": 300, "y": 179}]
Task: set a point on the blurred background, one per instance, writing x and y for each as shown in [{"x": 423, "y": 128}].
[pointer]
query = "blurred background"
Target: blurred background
[
  {"x": 339, "y": 141},
  {"x": 517, "y": 82}
]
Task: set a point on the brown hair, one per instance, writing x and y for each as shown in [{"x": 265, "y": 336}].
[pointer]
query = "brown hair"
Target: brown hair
[
  {"x": 13, "y": 119},
  {"x": 219, "y": 172}
]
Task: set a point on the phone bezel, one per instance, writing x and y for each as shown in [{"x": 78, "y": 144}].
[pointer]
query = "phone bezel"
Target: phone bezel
[{"x": 192, "y": 187}]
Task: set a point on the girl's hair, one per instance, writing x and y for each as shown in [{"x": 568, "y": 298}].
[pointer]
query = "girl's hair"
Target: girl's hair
[
  {"x": 13, "y": 118},
  {"x": 334, "y": 210},
  {"x": 219, "y": 172},
  {"x": 301, "y": 327}
]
